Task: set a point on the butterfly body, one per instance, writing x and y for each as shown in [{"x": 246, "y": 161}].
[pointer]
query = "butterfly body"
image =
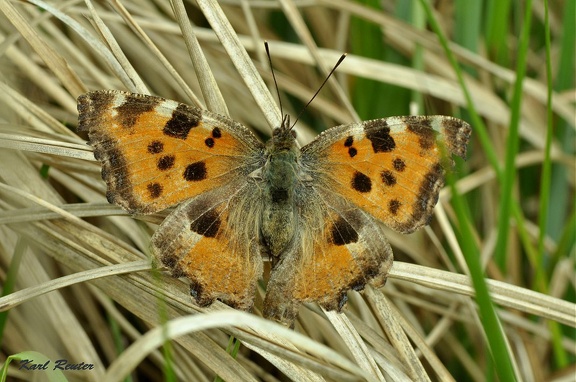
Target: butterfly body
[
  {"x": 281, "y": 181},
  {"x": 317, "y": 212}
]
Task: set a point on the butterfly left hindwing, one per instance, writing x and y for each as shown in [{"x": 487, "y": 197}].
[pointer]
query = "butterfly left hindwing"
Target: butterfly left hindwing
[{"x": 212, "y": 241}]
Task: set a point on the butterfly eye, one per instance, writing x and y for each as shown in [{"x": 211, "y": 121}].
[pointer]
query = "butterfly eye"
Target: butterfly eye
[{"x": 293, "y": 132}]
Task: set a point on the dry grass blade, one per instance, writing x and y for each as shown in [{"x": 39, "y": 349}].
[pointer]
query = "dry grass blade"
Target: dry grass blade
[
  {"x": 214, "y": 100},
  {"x": 398, "y": 338},
  {"x": 184, "y": 325},
  {"x": 297, "y": 22},
  {"x": 354, "y": 342},
  {"x": 241, "y": 60},
  {"x": 53, "y": 60},
  {"x": 503, "y": 293},
  {"x": 129, "y": 74},
  {"x": 16, "y": 298}
]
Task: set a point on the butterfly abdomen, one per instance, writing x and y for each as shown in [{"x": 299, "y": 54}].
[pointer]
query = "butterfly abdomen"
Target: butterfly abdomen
[{"x": 280, "y": 176}]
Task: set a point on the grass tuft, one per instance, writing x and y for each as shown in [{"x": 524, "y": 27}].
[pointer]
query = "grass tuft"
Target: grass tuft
[{"x": 486, "y": 292}]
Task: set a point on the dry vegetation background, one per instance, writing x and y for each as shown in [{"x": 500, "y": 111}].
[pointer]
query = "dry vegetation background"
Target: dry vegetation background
[{"x": 76, "y": 271}]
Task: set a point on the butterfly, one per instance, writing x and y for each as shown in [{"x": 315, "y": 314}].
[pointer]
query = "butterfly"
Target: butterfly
[{"x": 317, "y": 212}]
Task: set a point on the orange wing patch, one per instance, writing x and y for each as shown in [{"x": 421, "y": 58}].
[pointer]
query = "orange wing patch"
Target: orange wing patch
[
  {"x": 394, "y": 168},
  {"x": 156, "y": 152}
]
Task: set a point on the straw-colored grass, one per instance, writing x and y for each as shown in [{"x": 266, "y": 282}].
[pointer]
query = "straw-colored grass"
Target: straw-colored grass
[{"x": 486, "y": 292}]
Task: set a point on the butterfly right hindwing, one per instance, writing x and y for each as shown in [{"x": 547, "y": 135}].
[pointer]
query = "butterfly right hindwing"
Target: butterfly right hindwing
[{"x": 337, "y": 248}]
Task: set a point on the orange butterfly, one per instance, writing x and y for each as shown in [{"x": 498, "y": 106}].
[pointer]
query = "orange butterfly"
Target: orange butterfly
[{"x": 317, "y": 212}]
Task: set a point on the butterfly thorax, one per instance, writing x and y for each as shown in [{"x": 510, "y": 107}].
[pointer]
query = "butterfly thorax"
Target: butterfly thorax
[{"x": 280, "y": 177}]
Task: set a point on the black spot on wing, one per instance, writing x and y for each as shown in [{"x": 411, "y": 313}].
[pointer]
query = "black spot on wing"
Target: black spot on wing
[
  {"x": 378, "y": 132},
  {"x": 184, "y": 118},
  {"x": 155, "y": 147},
  {"x": 361, "y": 182},
  {"x": 388, "y": 178},
  {"x": 426, "y": 134},
  {"x": 399, "y": 164},
  {"x": 195, "y": 172},
  {"x": 343, "y": 233},
  {"x": 134, "y": 106},
  {"x": 207, "y": 224},
  {"x": 393, "y": 206},
  {"x": 166, "y": 162},
  {"x": 211, "y": 141},
  {"x": 352, "y": 151},
  {"x": 155, "y": 190}
]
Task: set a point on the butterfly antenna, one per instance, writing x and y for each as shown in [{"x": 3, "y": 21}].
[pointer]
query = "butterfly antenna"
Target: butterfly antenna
[
  {"x": 274, "y": 77},
  {"x": 342, "y": 57}
]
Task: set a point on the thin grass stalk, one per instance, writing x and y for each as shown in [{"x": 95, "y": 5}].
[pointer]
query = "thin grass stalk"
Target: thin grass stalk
[{"x": 492, "y": 328}]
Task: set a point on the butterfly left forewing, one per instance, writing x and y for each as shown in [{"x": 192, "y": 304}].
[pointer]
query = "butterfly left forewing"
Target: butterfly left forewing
[
  {"x": 156, "y": 152},
  {"x": 392, "y": 168}
]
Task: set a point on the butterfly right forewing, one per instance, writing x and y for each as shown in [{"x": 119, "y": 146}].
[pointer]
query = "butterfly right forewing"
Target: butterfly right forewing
[{"x": 392, "y": 168}]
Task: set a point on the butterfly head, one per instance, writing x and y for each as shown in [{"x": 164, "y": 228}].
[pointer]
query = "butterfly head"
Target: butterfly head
[{"x": 283, "y": 137}]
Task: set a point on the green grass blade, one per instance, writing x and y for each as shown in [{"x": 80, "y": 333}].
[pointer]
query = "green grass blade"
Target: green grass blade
[
  {"x": 467, "y": 26},
  {"x": 419, "y": 21},
  {"x": 47, "y": 369},
  {"x": 498, "y": 348},
  {"x": 560, "y": 195},
  {"x": 11, "y": 275},
  {"x": 512, "y": 143},
  {"x": 233, "y": 348},
  {"x": 116, "y": 332},
  {"x": 368, "y": 96},
  {"x": 545, "y": 181},
  {"x": 560, "y": 355},
  {"x": 497, "y": 22}
]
